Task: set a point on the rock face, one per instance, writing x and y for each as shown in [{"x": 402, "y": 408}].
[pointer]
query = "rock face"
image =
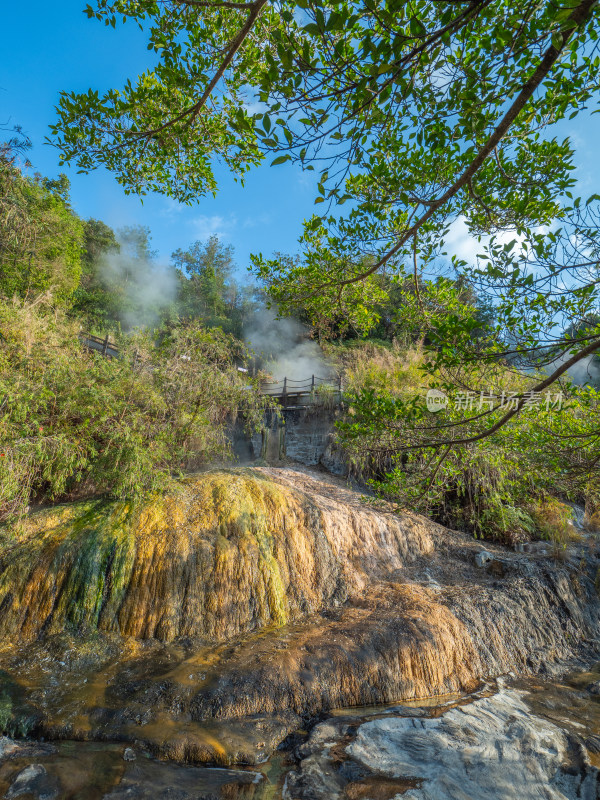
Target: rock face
[
  {"x": 493, "y": 748},
  {"x": 34, "y": 781},
  {"x": 209, "y": 625},
  {"x": 303, "y": 434},
  {"x": 233, "y": 552}
]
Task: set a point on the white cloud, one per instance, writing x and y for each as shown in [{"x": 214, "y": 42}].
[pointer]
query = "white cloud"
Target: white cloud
[
  {"x": 205, "y": 226},
  {"x": 255, "y": 107},
  {"x": 171, "y": 208},
  {"x": 464, "y": 245},
  {"x": 459, "y": 242}
]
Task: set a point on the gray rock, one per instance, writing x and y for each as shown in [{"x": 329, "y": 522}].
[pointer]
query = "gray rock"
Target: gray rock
[
  {"x": 594, "y": 688},
  {"x": 317, "y": 779},
  {"x": 34, "y": 781},
  {"x": 9, "y": 748},
  {"x": 323, "y": 736},
  {"x": 129, "y": 754},
  {"x": 536, "y": 548},
  {"x": 407, "y": 711},
  {"x": 593, "y": 744},
  {"x": 429, "y": 581},
  {"x": 482, "y": 558},
  {"x": 491, "y": 749}
]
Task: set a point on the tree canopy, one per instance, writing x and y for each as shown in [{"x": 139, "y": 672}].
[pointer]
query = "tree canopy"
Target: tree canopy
[
  {"x": 413, "y": 115},
  {"x": 40, "y": 235},
  {"x": 413, "y": 110},
  {"x": 207, "y": 286}
]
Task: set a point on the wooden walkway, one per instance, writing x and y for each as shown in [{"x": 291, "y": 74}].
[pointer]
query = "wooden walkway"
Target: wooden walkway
[
  {"x": 292, "y": 393},
  {"x": 102, "y": 346},
  {"x": 288, "y": 392}
]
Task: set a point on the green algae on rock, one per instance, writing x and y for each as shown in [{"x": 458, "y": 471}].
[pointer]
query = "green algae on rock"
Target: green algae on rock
[
  {"x": 233, "y": 552},
  {"x": 210, "y": 625}
]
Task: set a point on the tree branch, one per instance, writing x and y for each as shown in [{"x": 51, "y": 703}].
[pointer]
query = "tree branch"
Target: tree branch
[
  {"x": 578, "y": 16},
  {"x": 193, "y": 111},
  {"x": 587, "y": 351},
  {"x": 215, "y": 4}
]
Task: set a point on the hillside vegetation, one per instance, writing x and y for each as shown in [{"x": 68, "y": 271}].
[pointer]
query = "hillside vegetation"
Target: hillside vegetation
[
  {"x": 511, "y": 486},
  {"x": 74, "y": 423}
]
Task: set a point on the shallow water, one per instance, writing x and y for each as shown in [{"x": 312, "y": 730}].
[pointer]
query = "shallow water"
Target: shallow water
[{"x": 94, "y": 770}]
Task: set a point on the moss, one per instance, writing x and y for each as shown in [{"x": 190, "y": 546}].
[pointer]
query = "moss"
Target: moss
[
  {"x": 6, "y": 715},
  {"x": 232, "y": 551},
  {"x": 17, "y": 718},
  {"x": 152, "y": 568},
  {"x": 276, "y": 592}
]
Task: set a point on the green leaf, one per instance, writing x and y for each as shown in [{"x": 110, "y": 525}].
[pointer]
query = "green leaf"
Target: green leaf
[
  {"x": 280, "y": 160},
  {"x": 416, "y": 27}
]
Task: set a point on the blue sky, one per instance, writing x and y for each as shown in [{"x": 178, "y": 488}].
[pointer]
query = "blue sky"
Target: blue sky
[{"x": 45, "y": 50}]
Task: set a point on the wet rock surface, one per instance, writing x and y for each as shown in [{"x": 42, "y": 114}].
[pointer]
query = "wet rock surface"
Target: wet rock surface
[
  {"x": 209, "y": 629},
  {"x": 34, "y": 781},
  {"x": 148, "y": 780},
  {"x": 514, "y": 740},
  {"x": 487, "y": 747},
  {"x": 24, "y": 749},
  {"x": 76, "y": 771}
]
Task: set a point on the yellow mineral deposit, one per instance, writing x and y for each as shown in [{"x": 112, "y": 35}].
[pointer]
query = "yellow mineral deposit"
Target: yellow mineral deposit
[
  {"x": 233, "y": 552},
  {"x": 211, "y": 623}
]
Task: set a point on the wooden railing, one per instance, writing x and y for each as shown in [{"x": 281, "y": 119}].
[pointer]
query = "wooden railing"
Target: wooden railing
[
  {"x": 103, "y": 346},
  {"x": 293, "y": 393},
  {"x": 289, "y": 392}
]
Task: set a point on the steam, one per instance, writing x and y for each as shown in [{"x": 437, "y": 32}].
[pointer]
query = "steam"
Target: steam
[
  {"x": 285, "y": 346},
  {"x": 145, "y": 288},
  {"x": 586, "y": 371}
]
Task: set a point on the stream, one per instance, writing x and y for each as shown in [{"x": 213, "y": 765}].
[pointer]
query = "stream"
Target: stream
[{"x": 75, "y": 770}]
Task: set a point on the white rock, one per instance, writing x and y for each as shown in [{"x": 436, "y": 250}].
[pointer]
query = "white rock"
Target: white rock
[
  {"x": 7, "y": 747},
  {"x": 482, "y": 558},
  {"x": 491, "y": 749},
  {"x": 34, "y": 781}
]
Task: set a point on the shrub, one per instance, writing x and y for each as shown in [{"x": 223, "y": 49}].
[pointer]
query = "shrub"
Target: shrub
[
  {"x": 495, "y": 486},
  {"x": 41, "y": 238},
  {"x": 73, "y": 422},
  {"x": 552, "y": 519}
]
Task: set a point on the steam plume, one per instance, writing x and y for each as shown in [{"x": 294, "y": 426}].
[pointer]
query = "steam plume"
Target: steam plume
[{"x": 285, "y": 346}]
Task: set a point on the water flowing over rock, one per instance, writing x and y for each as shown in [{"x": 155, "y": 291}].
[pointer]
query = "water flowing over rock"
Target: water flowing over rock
[
  {"x": 493, "y": 748},
  {"x": 231, "y": 553},
  {"x": 209, "y": 625}
]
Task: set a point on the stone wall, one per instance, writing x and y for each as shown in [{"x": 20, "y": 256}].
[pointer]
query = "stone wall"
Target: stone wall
[{"x": 304, "y": 435}]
